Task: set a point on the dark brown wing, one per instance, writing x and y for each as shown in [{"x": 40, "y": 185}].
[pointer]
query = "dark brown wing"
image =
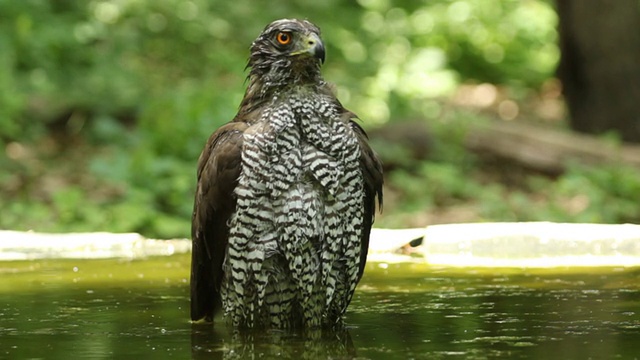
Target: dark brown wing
[
  {"x": 218, "y": 170},
  {"x": 371, "y": 168}
]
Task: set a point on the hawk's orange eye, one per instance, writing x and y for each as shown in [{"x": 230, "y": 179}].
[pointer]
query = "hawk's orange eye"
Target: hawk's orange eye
[{"x": 284, "y": 38}]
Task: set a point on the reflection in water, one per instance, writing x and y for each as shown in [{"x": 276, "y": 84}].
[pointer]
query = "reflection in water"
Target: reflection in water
[
  {"x": 208, "y": 342},
  {"x": 115, "y": 309}
]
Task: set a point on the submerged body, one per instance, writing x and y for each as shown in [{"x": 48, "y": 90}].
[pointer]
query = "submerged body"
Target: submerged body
[{"x": 286, "y": 195}]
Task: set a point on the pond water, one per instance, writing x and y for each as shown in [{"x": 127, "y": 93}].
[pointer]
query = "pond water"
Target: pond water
[{"x": 123, "y": 309}]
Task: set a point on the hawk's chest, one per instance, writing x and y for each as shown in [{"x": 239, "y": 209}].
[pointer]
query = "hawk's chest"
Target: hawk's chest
[
  {"x": 300, "y": 140},
  {"x": 296, "y": 230}
]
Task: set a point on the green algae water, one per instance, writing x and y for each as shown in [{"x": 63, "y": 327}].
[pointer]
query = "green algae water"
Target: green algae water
[{"x": 65, "y": 309}]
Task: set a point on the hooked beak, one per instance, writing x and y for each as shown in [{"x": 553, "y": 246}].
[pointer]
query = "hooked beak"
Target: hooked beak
[{"x": 312, "y": 44}]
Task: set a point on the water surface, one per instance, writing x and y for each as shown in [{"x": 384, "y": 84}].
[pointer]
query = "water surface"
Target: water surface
[{"x": 122, "y": 309}]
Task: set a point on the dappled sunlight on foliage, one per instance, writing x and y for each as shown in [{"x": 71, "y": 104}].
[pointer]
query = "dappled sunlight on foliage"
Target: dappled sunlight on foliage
[{"x": 105, "y": 105}]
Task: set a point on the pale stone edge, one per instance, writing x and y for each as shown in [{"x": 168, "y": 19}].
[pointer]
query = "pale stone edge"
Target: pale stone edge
[{"x": 443, "y": 245}]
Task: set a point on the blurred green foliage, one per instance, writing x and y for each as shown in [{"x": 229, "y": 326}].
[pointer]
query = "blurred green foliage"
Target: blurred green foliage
[
  {"x": 454, "y": 180},
  {"x": 105, "y": 105}
]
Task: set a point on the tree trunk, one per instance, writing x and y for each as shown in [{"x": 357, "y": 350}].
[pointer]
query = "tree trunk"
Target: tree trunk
[{"x": 600, "y": 65}]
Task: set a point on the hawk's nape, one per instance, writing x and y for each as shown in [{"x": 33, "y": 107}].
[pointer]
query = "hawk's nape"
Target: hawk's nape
[{"x": 286, "y": 195}]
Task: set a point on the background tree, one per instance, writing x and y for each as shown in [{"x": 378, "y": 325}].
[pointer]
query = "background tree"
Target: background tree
[{"x": 600, "y": 65}]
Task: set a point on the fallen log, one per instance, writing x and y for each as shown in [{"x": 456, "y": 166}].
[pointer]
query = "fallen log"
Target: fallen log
[{"x": 545, "y": 149}]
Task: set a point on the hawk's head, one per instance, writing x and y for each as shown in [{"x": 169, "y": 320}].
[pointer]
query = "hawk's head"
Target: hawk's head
[{"x": 286, "y": 52}]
